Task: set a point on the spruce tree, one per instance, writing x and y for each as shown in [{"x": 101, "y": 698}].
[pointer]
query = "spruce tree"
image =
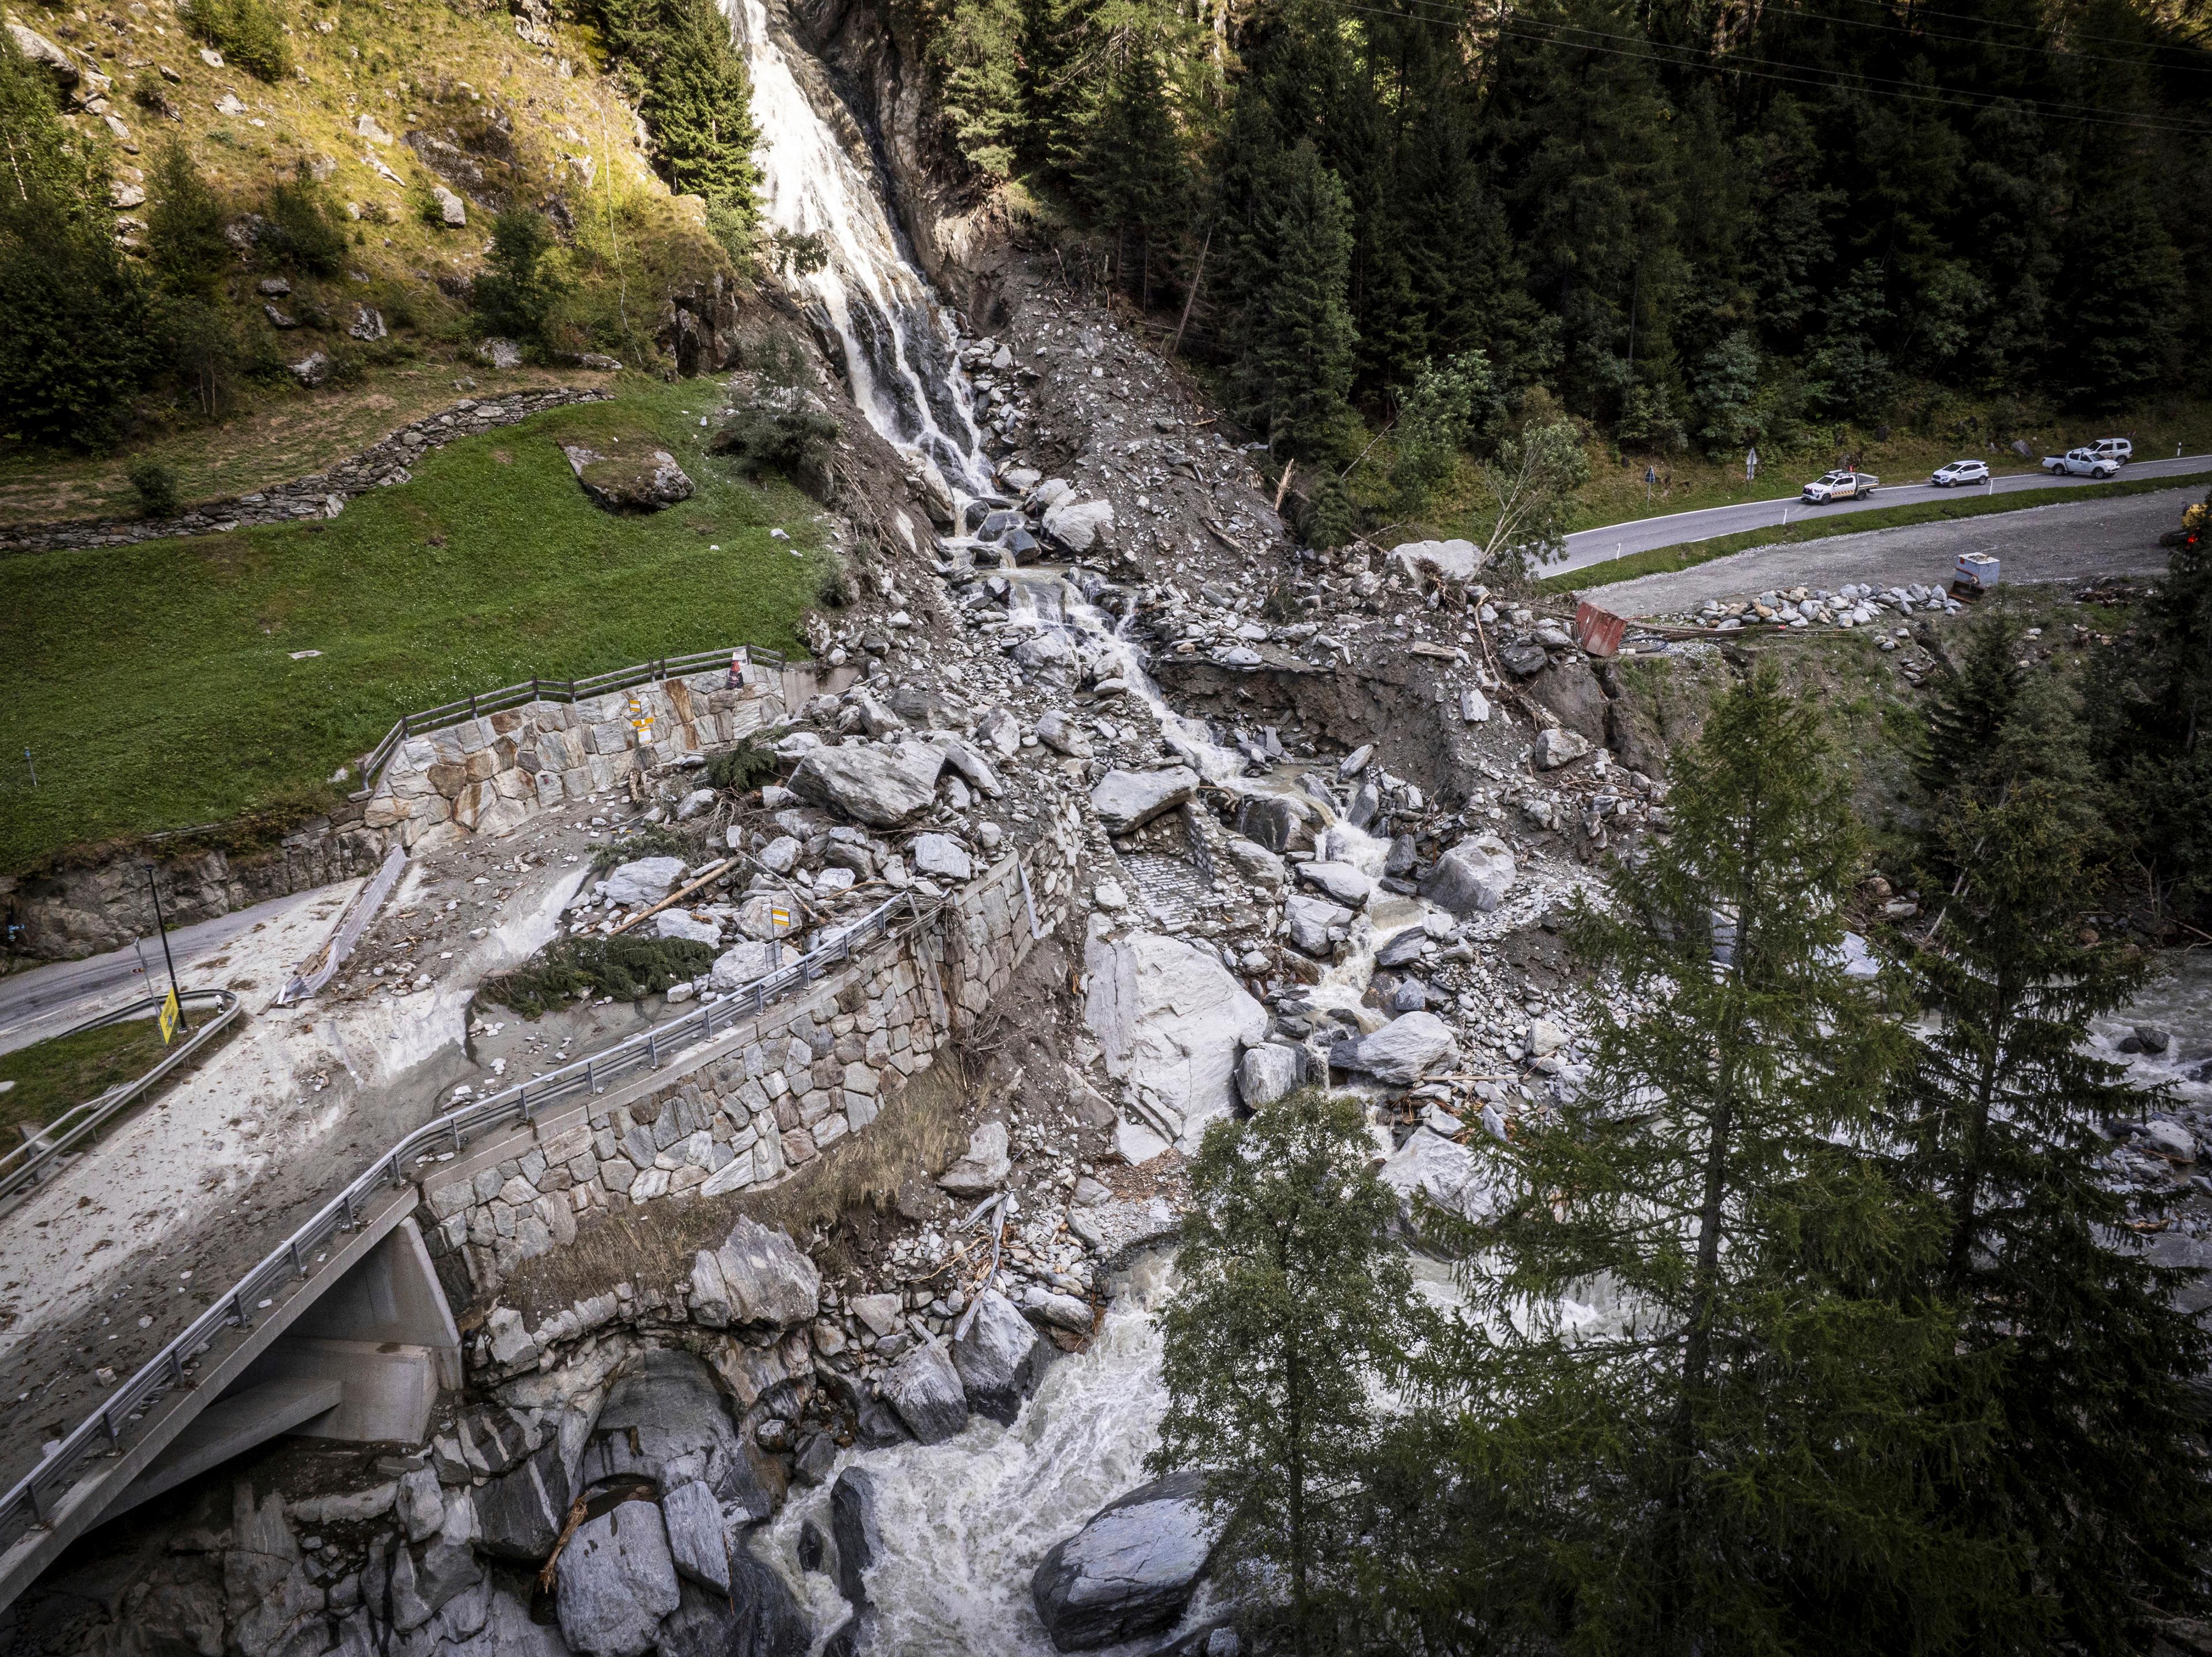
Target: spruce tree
[
  {"x": 1293, "y": 1302},
  {"x": 1132, "y": 172},
  {"x": 1732, "y": 1454},
  {"x": 2096, "y": 1478},
  {"x": 1291, "y": 336},
  {"x": 185, "y": 245}
]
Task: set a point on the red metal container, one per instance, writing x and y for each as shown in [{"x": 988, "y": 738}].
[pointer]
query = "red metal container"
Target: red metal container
[{"x": 1598, "y": 631}]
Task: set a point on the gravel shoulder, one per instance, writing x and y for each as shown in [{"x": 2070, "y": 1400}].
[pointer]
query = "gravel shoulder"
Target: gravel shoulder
[{"x": 2076, "y": 541}]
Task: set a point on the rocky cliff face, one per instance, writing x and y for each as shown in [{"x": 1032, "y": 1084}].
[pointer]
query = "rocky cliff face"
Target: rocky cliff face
[{"x": 869, "y": 66}]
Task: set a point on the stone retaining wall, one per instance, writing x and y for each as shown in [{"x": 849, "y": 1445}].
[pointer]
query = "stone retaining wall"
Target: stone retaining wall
[
  {"x": 756, "y": 1104},
  {"x": 490, "y": 773},
  {"x": 324, "y": 494}
]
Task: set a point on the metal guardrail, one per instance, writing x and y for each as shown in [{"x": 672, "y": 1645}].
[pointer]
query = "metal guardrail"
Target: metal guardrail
[
  {"x": 547, "y": 690},
  {"x": 24, "y": 1164},
  {"x": 30, "y": 1502},
  {"x": 319, "y": 968}
]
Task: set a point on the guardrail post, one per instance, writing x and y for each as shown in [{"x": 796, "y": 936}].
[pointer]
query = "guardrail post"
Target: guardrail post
[
  {"x": 589, "y": 1085},
  {"x": 652, "y": 1050},
  {"x": 297, "y": 1265},
  {"x": 245, "y": 1317}
]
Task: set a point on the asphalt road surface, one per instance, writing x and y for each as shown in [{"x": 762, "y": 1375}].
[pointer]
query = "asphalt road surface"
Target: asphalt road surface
[
  {"x": 2078, "y": 541},
  {"x": 43, "y": 1001},
  {"x": 1589, "y": 546}
]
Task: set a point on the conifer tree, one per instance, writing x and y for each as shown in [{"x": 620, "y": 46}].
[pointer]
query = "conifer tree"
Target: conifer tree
[
  {"x": 1291, "y": 335},
  {"x": 1293, "y": 1302},
  {"x": 2154, "y": 718},
  {"x": 2096, "y": 1476},
  {"x": 184, "y": 243},
  {"x": 1733, "y": 1456},
  {"x": 1132, "y": 172}
]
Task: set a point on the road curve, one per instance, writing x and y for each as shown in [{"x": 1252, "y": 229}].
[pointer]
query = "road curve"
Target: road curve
[{"x": 1588, "y": 546}]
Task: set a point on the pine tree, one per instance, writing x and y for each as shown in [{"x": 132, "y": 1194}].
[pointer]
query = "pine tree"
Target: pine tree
[
  {"x": 1735, "y": 1457},
  {"x": 1293, "y": 1302},
  {"x": 2096, "y": 1475},
  {"x": 1133, "y": 172},
  {"x": 1290, "y": 335},
  {"x": 976, "y": 50}
]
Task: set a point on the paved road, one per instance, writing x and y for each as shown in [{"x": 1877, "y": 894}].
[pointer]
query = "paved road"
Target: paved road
[
  {"x": 1589, "y": 546},
  {"x": 2108, "y": 536},
  {"x": 44, "y": 1000}
]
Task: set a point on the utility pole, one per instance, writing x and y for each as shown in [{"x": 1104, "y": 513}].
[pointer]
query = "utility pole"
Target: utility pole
[{"x": 162, "y": 927}]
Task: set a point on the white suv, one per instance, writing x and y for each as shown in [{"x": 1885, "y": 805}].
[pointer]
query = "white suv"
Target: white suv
[
  {"x": 2113, "y": 448},
  {"x": 1960, "y": 471}
]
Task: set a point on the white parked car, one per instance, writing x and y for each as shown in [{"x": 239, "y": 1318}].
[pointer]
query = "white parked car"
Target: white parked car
[
  {"x": 2080, "y": 463},
  {"x": 2115, "y": 448},
  {"x": 1841, "y": 486},
  {"x": 1960, "y": 471}
]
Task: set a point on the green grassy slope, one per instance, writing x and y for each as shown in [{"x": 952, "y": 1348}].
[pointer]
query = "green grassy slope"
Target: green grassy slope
[{"x": 155, "y": 687}]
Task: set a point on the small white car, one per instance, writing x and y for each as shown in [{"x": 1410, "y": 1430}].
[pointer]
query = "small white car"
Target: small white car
[
  {"x": 2080, "y": 463},
  {"x": 1841, "y": 486},
  {"x": 2114, "y": 448},
  {"x": 1960, "y": 471}
]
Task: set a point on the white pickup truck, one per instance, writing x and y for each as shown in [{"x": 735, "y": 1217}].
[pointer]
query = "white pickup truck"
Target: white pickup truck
[
  {"x": 1841, "y": 486},
  {"x": 2081, "y": 463}
]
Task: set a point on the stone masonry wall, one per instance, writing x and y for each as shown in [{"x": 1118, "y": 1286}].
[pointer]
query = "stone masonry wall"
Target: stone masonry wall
[
  {"x": 488, "y": 774},
  {"x": 324, "y": 494},
  {"x": 758, "y": 1102}
]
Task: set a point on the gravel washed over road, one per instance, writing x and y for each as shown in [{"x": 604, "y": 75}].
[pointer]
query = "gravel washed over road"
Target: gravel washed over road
[{"x": 2074, "y": 542}]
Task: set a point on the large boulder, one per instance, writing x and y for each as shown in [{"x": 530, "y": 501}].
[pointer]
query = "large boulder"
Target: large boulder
[
  {"x": 996, "y": 1358},
  {"x": 1130, "y": 1571},
  {"x": 519, "y": 1513},
  {"x": 1129, "y": 800},
  {"x": 1279, "y": 822},
  {"x": 644, "y": 880},
  {"x": 1560, "y": 746},
  {"x": 1444, "y": 560},
  {"x": 615, "y": 1582},
  {"x": 986, "y": 1165},
  {"x": 925, "y": 1389},
  {"x": 758, "y": 1278},
  {"x": 1446, "y": 1173},
  {"x": 1308, "y": 921},
  {"x": 740, "y": 965},
  {"x": 1267, "y": 1072},
  {"x": 884, "y": 786},
  {"x": 855, "y": 1527},
  {"x": 1474, "y": 877},
  {"x": 1402, "y": 1051},
  {"x": 643, "y": 481},
  {"x": 664, "y": 1421},
  {"x": 1343, "y": 883},
  {"x": 1171, "y": 1020},
  {"x": 1572, "y": 691},
  {"x": 1078, "y": 526},
  {"x": 757, "y": 1618}
]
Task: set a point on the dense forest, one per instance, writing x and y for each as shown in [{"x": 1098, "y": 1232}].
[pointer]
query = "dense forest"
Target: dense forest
[{"x": 1696, "y": 225}]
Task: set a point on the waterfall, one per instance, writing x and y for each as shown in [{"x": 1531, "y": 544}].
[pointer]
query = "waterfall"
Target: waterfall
[{"x": 897, "y": 340}]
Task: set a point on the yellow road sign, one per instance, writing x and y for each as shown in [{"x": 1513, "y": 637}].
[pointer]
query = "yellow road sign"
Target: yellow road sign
[{"x": 170, "y": 1014}]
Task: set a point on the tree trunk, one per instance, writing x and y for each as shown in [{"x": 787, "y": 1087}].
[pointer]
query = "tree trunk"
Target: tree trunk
[{"x": 1965, "y": 1202}]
